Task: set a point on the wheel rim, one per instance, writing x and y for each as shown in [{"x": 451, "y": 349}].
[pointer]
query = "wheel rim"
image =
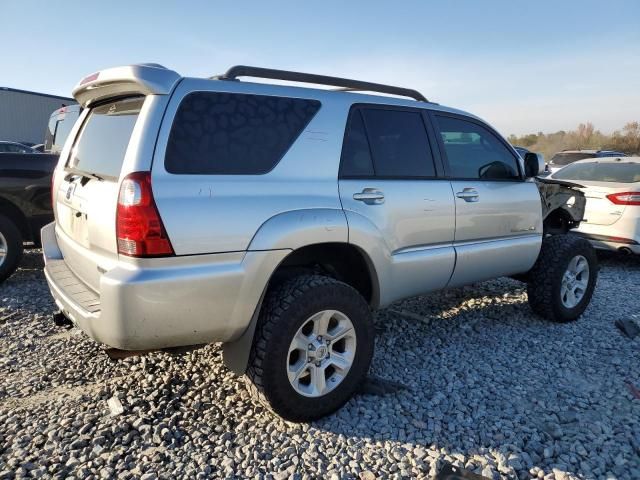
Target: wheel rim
[
  {"x": 321, "y": 353},
  {"x": 3, "y": 249},
  {"x": 575, "y": 281}
]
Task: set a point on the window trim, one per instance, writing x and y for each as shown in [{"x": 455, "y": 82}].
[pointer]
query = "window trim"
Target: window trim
[
  {"x": 435, "y": 113},
  {"x": 259, "y": 174},
  {"x": 435, "y": 153}
]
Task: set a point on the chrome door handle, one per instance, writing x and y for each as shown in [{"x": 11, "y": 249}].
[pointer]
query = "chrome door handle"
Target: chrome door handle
[
  {"x": 469, "y": 195},
  {"x": 370, "y": 196}
]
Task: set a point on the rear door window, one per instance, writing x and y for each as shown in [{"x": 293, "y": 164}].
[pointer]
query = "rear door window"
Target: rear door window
[
  {"x": 399, "y": 143},
  {"x": 103, "y": 141},
  {"x": 474, "y": 152},
  {"x": 386, "y": 143},
  {"x": 234, "y": 134}
]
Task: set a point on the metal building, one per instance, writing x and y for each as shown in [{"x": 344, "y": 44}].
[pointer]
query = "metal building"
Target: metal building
[{"x": 24, "y": 115}]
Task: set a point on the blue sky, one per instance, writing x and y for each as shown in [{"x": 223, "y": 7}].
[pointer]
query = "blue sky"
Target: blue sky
[{"x": 523, "y": 66}]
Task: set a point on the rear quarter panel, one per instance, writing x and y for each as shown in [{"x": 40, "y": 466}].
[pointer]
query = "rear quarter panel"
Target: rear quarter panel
[{"x": 222, "y": 213}]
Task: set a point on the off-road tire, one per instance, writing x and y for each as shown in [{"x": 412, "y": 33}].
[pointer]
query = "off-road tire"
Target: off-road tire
[
  {"x": 545, "y": 278},
  {"x": 285, "y": 309},
  {"x": 13, "y": 239}
]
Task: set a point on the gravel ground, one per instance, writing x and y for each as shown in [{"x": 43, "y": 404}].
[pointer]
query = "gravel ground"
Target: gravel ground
[{"x": 489, "y": 387}]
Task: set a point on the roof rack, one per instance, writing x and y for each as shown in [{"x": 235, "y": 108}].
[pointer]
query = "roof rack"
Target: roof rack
[{"x": 346, "y": 84}]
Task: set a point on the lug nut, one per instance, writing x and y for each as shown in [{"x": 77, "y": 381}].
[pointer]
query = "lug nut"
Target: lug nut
[
  {"x": 319, "y": 338},
  {"x": 310, "y": 346}
]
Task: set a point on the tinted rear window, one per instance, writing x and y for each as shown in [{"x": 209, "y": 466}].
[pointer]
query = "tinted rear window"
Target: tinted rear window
[
  {"x": 567, "y": 158},
  {"x": 105, "y": 136},
  {"x": 399, "y": 143},
  {"x": 601, "y": 172},
  {"x": 222, "y": 133},
  {"x": 356, "y": 154}
]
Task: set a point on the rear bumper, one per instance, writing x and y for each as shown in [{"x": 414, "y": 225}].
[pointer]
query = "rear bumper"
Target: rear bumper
[
  {"x": 608, "y": 242},
  {"x": 177, "y": 301}
]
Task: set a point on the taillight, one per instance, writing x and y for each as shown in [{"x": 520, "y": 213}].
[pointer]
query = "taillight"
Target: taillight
[
  {"x": 625, "y": 198},
  {"x": 139, "y": 229}
]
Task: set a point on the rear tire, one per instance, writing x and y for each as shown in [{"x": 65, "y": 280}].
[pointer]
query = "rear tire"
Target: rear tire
[
  {"x": 561, "y": 283},
  {"x": 10, "y": 247},
  {"x": 282, "y": 371}
]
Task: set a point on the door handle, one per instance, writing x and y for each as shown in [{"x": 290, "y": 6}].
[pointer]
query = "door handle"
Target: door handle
[
  {"x": 469, "y": 195},
  {"x": 370, "y": 196}
]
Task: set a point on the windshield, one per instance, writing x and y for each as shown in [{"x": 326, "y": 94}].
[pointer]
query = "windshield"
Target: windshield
[
  {"x": 105, "y": 136},
  {"x": 567, "y": 158},
  {"x": 601, "y": 172}
]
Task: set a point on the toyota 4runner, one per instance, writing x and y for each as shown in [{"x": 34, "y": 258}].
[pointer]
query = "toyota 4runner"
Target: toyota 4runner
[{"x": 275, "y": 218}]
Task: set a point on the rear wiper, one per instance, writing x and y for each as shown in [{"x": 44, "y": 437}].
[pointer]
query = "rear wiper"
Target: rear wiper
[
  {"x": 89, "y": 175},
  {"x": 85, "y": 176}
]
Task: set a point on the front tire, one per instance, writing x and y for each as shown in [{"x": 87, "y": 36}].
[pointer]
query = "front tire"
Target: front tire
[
  {"x": 312, "y": 348},
  {"x": 10, "y": 247},
  {"x": 561, "y": 283}
]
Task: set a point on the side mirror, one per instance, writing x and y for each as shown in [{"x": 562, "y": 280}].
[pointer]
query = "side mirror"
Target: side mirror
[{"x": 533, "y": 164}]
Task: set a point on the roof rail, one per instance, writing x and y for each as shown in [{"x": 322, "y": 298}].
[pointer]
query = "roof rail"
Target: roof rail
[{"x": 246, "y": 71}]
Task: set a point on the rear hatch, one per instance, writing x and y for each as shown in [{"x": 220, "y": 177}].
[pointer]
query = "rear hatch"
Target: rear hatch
[{"x": 86, "y": 197}]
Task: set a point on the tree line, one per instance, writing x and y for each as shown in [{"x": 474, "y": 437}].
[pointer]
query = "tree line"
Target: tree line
[{"x": 585, "y": 137}]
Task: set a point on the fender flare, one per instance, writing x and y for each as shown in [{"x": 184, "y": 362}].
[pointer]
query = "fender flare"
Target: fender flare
[
  {"x": 298, "y": 228},
  {"x": 286, "y": 231}
]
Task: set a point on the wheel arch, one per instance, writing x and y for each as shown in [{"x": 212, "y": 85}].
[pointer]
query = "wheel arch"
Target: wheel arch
[
  {"x": 340, "y": 260},
  {"x": 11, "y": 211}
]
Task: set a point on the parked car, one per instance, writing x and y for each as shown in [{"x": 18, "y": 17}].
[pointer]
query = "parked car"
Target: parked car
[
  {"x": 25, "y": 204},
  {"x": 59, "y": 126},
  {"x": 274, "y": 218},
  {"x": 15, "y": 147},
  {"x": 612, "y": 189},
  {"x": 566, "y": 157}
]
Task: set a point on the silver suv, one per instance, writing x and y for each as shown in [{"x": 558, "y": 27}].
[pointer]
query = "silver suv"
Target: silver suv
[{"x": 275, "y": 218}]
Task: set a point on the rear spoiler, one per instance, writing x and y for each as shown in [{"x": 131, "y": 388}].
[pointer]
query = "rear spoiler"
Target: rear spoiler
[{"x": 146, "y": 79}]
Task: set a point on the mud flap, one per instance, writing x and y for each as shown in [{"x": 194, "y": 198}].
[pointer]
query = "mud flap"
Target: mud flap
[{"x": 235, "y": 355}]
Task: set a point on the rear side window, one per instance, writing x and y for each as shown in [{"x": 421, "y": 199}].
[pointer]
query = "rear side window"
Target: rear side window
[
  {"x": 386, "y": 143},
  {"x": 474, "y": 152},
  {"x": 104, "y": 138},
  {"x": 356, "y": 156},
  {"x": 223, "y": 133},
  {"x": 567, "y": 158}
]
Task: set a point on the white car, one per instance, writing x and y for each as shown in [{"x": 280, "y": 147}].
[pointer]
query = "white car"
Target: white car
[{"x": 612, "y": 188}]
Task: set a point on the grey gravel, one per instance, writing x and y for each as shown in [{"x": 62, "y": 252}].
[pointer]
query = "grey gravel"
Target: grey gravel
[{"x": 489, "y": 387}]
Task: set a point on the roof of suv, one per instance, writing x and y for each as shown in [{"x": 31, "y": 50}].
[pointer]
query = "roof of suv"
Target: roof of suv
[{"x": 156, "y": 79}]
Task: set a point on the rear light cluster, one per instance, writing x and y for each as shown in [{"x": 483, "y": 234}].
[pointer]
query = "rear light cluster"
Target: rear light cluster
[
  {"x": 625, "y": 198},
  {"x": 139, "y": 229}
]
